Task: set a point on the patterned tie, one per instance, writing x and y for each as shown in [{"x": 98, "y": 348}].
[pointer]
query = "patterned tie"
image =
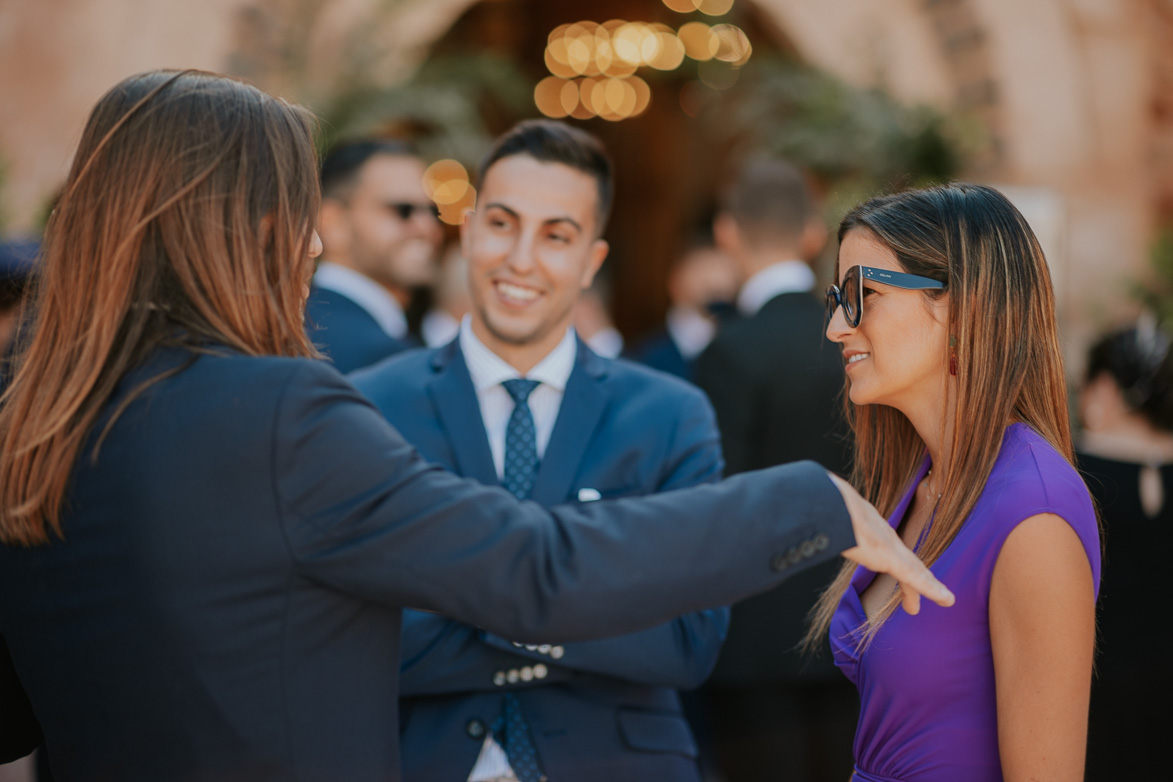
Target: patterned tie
[
  {"x": 521, "y": 441},
  {"x": 521, "y": 465}
]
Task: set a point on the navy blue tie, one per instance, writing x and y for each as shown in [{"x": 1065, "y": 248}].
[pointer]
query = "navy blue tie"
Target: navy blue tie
[
  {"x": 521, "y": 440},
  {"x": 521, "y": 465}
]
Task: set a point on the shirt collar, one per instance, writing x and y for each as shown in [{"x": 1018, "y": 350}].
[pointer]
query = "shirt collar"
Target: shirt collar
[
  {"x": 366, "y": 293},
  {"x": 487, "y": 369},
  {"x": 774, "y": 280}
]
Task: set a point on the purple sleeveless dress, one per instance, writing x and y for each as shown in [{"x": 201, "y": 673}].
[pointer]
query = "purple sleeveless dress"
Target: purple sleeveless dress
[{"x": 926, "y": 683}]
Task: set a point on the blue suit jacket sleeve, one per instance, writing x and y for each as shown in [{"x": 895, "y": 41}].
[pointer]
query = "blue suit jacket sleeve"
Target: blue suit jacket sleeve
[
  {"x": 678, "y": 654},
  {"x": 363, "y": 513}
]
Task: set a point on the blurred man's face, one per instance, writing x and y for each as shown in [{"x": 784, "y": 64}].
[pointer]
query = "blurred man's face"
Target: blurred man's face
[
  {"x": 532, "y": 249},
  {"x": 386, "y": 229}
]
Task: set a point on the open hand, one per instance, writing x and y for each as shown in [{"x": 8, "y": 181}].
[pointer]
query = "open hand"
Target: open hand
[{"x": 880, "y": 549}]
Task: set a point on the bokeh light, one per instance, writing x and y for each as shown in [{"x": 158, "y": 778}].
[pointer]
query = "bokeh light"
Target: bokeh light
[
  {"x": 714, "y": 7},
  {"x": 681, "y": 6},
  {"x": 700, "y": 43},
  {"x": 733, "y": 44},
  {"x": 446, "y": 182},
  {"x": 592, "y": 66}
]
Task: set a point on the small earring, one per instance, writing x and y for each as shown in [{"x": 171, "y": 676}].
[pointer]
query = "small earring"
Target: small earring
[{"x": 952, "y": 355}]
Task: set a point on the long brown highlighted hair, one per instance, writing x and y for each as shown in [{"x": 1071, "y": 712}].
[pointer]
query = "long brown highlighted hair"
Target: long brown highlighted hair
[
  {"x": 1008, "y": 358},
  {"x": 186, "y": 220}
]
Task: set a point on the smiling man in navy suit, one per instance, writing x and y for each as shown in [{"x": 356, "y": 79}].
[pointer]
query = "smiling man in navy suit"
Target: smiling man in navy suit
[{"x": 518, "y": 399}]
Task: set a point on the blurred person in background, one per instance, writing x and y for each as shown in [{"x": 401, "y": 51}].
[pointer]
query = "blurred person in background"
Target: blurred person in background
[
  {"x": 776, "y": 385},
  {"x": 592, "y": 320},
  {"x": 945, "y": 317},
  {"x": 17, "y": 259},
  {"x": 702, "y": 281},
  {"x": 601, "y": 710},
  {"x": 1126, "y": 454},
  {"x": 450, "y": 300},
  {"x": 381, "y": 235}
]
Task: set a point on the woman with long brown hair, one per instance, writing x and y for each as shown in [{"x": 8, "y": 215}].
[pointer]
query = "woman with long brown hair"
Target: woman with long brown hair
[
  {"x": 206, "y": 539},
  {"x": 945, "y": 315}
]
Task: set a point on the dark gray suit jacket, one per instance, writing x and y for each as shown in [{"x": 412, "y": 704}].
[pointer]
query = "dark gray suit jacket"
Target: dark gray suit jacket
[
  {"x": 226, "y": 602},
  {"x": 600, "y": 709}
]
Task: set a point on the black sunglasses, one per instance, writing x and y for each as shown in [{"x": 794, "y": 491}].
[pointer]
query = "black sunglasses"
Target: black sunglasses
[
  {"x": 850, "y": 296},
  {"x": 405, "y": 209}
]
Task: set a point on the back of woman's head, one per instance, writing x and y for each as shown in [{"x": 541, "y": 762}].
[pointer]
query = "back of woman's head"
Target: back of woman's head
[
  {"x": 186, "y": 219},
  {"x": 1140, "y": 363},
  {"x": 1003, "y": 349}
]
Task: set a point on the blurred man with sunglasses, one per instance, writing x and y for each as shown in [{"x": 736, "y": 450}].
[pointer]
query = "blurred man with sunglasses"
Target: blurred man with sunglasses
[
  {"x": 381, "y": 237},
  {"x": 775, "y": 384}
]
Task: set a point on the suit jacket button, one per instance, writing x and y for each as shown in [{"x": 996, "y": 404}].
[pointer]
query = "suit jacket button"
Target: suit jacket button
[
  {"x": 808, "y": 550},
  {"x": 499, "y": 678},
  {"x": 512, "y": 676},
  {"x": 821, "y": 542},
  {"x": 556, "y": 652},
  {"x": 540, "y": 671},
  {"x": 475, "y": 729}
]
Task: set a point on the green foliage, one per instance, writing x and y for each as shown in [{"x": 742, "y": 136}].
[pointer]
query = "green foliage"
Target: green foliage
[
  {"x": 1156, "y": 293},
  {"x": 448, "y": 106}
]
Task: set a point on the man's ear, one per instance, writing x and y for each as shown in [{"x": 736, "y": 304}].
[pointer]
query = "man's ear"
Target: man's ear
[
  {"x": 333, "y": 227},
  {"x": 598, "y": 251},
  {"x": 813, "y": 239}
]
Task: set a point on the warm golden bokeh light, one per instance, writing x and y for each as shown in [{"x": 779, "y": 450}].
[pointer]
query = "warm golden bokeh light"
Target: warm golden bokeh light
[
  {"x": 733, "y": 45},
  {"x": 593, "y": 65},
  {"x": 699, "y": 41},
  {"x": 454, "y": 213},
  {"x": 446, "y": 181},
  {"x": 548, "y": 97},
  {"x": 681, "y": 6},
  {"x": 714, "y": 7}
]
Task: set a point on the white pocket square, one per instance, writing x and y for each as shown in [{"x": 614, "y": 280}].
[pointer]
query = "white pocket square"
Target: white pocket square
[{"x": 589, "y": 495}]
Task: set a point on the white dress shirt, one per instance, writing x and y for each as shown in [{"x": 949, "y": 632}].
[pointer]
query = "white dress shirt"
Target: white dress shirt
[
  {"x": 774, "y": 280},
  {"x": 488, "y": 372},
  {"x": 690, "y": 331},
  {"x": 366, "y": 293}
]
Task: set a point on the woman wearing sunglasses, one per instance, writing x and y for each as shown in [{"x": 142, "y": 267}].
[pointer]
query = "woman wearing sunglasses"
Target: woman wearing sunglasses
[{"x": 945, "y": 316}]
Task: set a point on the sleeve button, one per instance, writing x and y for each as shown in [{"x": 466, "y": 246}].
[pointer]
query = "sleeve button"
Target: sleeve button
[
  {"x": 527, "y": 674},
  {"x": 808, "y": 550},
  {"x": 540, "y": 671},
  {"x": 778, "y": 563},
  {"x": 556, "y": 652},
  {"x": 821, "y": 542},
  {"x": 512, "y": 676},
  {"x": 499, "y": 678},
  {"x": 475, "y": 729}
]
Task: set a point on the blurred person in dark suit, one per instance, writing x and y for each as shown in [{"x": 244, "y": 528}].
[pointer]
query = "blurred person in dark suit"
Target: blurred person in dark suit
[
  {"x": 381, "y": 235},
  {"x": 601, "y": 428},
  {"x": 17, "y": 258},
  {"x": 702, "y": 283},
  {"x": 776, "y": 386},
  {"x": 1125, "y": 453},
  {"x": 207, "y": 536}
]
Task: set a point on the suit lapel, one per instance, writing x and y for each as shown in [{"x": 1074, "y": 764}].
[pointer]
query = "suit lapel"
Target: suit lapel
[
  {"x": 582, "y": 408},
  {"x": 455, "y": 399}
]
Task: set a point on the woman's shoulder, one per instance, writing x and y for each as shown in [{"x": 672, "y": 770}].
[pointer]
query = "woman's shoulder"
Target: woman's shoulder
[{"x": 1032, "y": 478}]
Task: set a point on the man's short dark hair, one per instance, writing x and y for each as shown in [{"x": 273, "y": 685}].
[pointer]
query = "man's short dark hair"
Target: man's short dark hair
[
  {"x": 550, "y": 141},
  {"x": 769, "y": 200},
  {"x": 342, "y": 163}
]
